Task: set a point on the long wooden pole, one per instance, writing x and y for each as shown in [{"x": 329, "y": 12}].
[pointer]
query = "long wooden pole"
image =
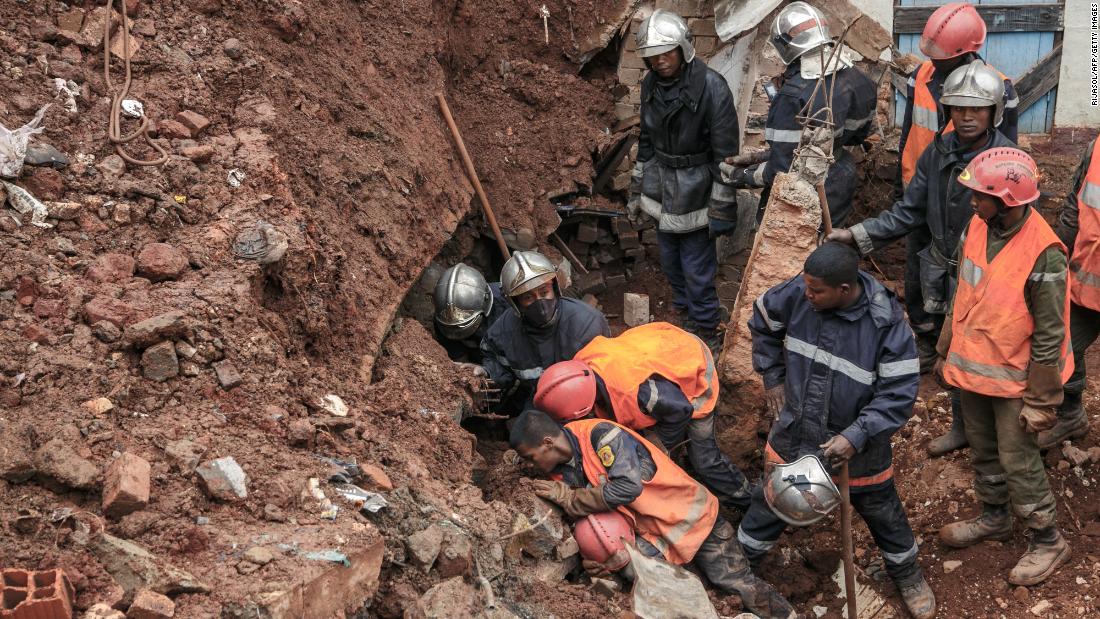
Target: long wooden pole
[
  {"x": 826, "y": 216},
  {"x": 846, "y": 542},
  {"x": 472, "y": 172}
]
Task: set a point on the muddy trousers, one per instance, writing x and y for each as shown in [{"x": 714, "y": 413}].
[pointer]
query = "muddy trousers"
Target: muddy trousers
[
  {"x": 1008, "y": 467},
  {"x": 710, "y": 465},
  {"x": 690, "y": 263},
  {"x": 925, "y": 325},
  {"x": 879, "y": 506},
  {"x": 720, "y": 559},
  {"x": 1084, "y": 328}
]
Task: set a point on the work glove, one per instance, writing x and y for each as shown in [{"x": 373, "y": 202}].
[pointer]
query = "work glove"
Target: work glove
[
  {"x": 595, "y": 569},
  {"x": 735, "y": 176},
  {"x": 575, "y": 502},
  {"x": 774, "y": 399},
  {"x": 721, "y": 227},
  {"x": 1036, "y": 420}
]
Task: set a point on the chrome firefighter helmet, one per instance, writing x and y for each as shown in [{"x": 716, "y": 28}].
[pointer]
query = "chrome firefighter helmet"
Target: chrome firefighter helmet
[
  {"x": 801, "y": 492},
  {"x": 799, "y": 28},
  {"x": 462, "y": 300},
  {"x": 664, "y": 31},
  {"x": 975, "y": 85},
  {"x": 525, "y": 271}
]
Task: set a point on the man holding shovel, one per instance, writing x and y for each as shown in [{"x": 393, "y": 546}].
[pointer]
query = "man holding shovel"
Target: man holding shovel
[{"x": 840, "y": 372}]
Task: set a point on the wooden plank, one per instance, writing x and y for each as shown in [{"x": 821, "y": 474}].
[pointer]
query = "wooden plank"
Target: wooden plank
[
  {"x": 998, "y": 17},
  {"x": 1039, "y": 79},
  {"x": 900, "y": 82}
]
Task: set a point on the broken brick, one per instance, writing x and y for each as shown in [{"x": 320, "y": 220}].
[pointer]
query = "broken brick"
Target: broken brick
[
  {"x": 173, "y": 129},
  {"x": 196, "y": 123},
  {"x": 378, "y": 478},
  {"x": 588, "y": 232},
  {"x": 151, "y": 605},
  {"x": 110, "y": 309},
  {"x": 37, "y": 334},
  {"x": 168, "y": 326},
  {"x": 111, "y": 268},
  {"x": 126, "y": 486},
  {"x": 629, "y": 240},
  {"x": 161, "y": 261},
  {"x": 48, "y": 308},
  {"x": 30, "y": 595}
]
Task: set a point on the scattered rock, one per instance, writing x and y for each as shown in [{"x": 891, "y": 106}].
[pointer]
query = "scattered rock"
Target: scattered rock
[
  {"x": 110, "y": 309},
  {"x": 169, "y": 326},
  {"x": 300, "y": 433},
  {"x": 45, "y": 155},
  {"x": 173, "y": 129},
  {"x": 106, "y": 331},
  {"x": 184, "y": 454},
  {"x": 542, "y": 540},
  {"x": 103, "y": 610},
  {"x": 635, "y": 309},
  {"x": 16, "y": 459},
  {"x": 112, "y": 166},
  {"x": 1075, "y": 455},
  {"x": 259, "y": 555},
  {"x": 334, "y": 405},
  {"x": 1022, "y": 594},
  {"x": 46, "y": 184},
  {"x": 151, "y": 605},
  {"x": 377, "y": 478},
  {"x": 126, "y": 486},
  {"x": 201, "y": 153},
  {"x": 567, "y": 548},
  {"x": 1042, "y": 607},
  {"x": 111, "y": 268},
  {"x": 59, "y": 462},
  {"x": 233, "y": 49},
  {"x": 606, "y": 587},
  {"x": 65, "y": 211},
  {"x": 951, "y": 566},
  {"x": 228, "y": 376},
  {"x": 161, "y": 261},
  {"x": 98, "y": 406},
  {"x": 223, "y": 479},
  {"x": 1094, "y": 454},
  {"x": 196, "y": 123},
  {"x": 159, "y": 362},
  {"x": 424, "y": 546},
  {"x": 65, "y": 246},
  {"x": 456, "y": 556},
  {"x": 135, "y": 568}
]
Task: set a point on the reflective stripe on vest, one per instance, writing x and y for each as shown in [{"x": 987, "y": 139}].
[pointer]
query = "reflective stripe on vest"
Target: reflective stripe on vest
[
  {"x": 629, "y": 360},
  {"x": 991, "y": 326},
  {"x": 674, "y": 512},
  {"x": 772, "y": 457},
  {"x": 1085, "y": 262},
  {"x": 926, "y": 122}
]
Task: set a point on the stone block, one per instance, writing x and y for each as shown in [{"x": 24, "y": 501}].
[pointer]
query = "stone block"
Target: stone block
[
  {"x": 591, "y": 282},
  {"x": 228, "y": 376},
  {"x": 629, "y": 76},
  {"x": 629, "y": 241},
  {"x": 635, "y": 309},
  {"x": 632, "y": 61},
  {"x": 705, "y": 46},
  {"x": 588, "y": 231},
  {"x": 168, "y": 326},
  {"x": 223, "y": 479},
  {"x": 151, "y": 605},
  {"x": 126, "y": 486},
  {"x": 621, "y": 226},
  {"x": 58, "y": 462},
  {"x": 160, "y": 363}
]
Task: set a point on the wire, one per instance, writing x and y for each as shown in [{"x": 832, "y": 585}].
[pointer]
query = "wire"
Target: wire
[{"x": 114, "y": 129}]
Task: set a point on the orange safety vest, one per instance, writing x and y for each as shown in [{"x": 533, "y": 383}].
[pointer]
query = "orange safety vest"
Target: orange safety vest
[
  {"x": 772, "y": 457},
  {"x": 991, "y": 327},
  {"x": 674, "y": 512},
  {"x": 1085, "y": 264},
  {"x": 627, "y": 361}
]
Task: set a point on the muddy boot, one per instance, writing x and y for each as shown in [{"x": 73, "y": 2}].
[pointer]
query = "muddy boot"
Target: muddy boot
[
  {"x": 713, "y": 338},
  {"x": 994, "y": 523},
  {"x": 926, "y": 353},
  {"x": 955, "y": 437},
  {"x": 1046, "y": 551},
  {"x": 1072, "y": 423},
  {"x": 919, "y": 599}
]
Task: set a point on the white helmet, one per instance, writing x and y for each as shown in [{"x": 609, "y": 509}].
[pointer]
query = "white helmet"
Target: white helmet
[
  {"x": 664, "y": 31},
  {"x": 799, "y": 28},
  {"x": 462, "y": 300},
  {"x": 975, "y": 85},
  {"x": 801, "y": 492},
  {"x": 525, "y": 271}
]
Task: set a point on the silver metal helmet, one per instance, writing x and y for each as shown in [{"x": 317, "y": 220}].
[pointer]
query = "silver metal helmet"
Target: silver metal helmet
[
  {"x": 664, "y": 31},
  {"x": 462, "y": 300},
  {"x": 801, "y": 492},
  {"x": 525, "y": 271},
  {"x": 799, "y": 28},
  {"x": 975, "y": 85}
]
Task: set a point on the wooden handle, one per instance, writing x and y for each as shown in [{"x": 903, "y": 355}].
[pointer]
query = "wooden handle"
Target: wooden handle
[{"x": 846, "y": 531}]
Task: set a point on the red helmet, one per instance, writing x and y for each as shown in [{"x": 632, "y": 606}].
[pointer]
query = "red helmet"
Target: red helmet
[
  {"x": 601, "y": 535},
  {"x": 566, "y": 391},
  {"x": 952, "y": 30},
  {"x": 1007, "y": 173}
]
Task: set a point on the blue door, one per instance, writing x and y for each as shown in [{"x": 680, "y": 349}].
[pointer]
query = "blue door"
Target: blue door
[{"x": 1012, "y": 53}]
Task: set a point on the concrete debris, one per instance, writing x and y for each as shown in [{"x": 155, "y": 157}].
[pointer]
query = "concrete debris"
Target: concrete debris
[
  {"x": 160, "y": 363},
  {"x": 334, "y": 405},
  {"x": 23, "y": 202},
  {"x": 126, "y": 485},
  {"x": 103, "y": 611},
  {"x": 1041, "y": 608},
  {"x": 151, "y": 605},
  {"x": 635, "y": 309},
  {"x": 732, "y": 18},
  {"x": 595, "y": 42},
  {"x": 135, "y": 568},
  {"x": 223, "y": 479},
  {"x": 423, "y": 546},
  {"x": 98, "y": 406},
  {"x": 132, "y": 108},
  {"x": 58, "y": 462}
]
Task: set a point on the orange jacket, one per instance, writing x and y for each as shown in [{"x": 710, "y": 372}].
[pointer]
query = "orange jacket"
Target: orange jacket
[
  {"x": 926, "y": 122},
  {"x": 991, "y": 326},
  {"x": 674, "y": 512},
  {"x": 1085, "y": 262},
  {"x": 626, "y": 361}
]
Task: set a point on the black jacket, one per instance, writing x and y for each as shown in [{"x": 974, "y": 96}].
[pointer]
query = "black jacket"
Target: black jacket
[
  {"x": 936, "y": 203},
  {"x": 852, "y": 372},
  {"x": 853, "y": 104},
  {"x": 687, "y": 128},
  {"x": 515, "y": 354}
]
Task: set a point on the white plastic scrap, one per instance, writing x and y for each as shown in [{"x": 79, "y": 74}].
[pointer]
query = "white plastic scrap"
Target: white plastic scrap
[
  {"x": 235, "y": 178},
  {"x": 362, "y": 499},
  {"x": 69, "y": 91},
  {"x": 334, "y": 405},
  {"x": 133, "y": 108},
  {"x": 22, "y": 201},
  {"x": 13, "y": 144}
]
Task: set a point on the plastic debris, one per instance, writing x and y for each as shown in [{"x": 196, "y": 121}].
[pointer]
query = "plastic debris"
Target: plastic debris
[
  {"x": 328, "y": 510},
  {"x": 327, "y": 555},
  {"x": 22, "y": 201},
  {"x": 69, "y": 91},
  {"x": 348, "y": 473},
  {"x": 334, "y": 405},
  {"x": 662, "y": 590},
  {"x": 235, "y": 178},
  {"x": 133, "y": 108},
  {"x": 262, "y": 243},
  {"x": 13, "y": 144},
  {"x": 362, "y": 499}
]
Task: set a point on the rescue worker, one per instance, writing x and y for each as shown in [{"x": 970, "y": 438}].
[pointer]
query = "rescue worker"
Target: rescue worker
[
  {"x": 800, "y": 35},
  {"x": 652, "y": 378},
  {"x": 1079, "y": 230},
  {"x": 542, "y": 328},
  {"x": 688, "y": 125},
  {"x": 1009, "y": 353},
  {"x": 936, "y": 207},
  {"x": 840, "y": 374},
  {"x": 952, "y": 37},
  {"x": 600, "y": 466},
  {"x": 465, "y": 306}
]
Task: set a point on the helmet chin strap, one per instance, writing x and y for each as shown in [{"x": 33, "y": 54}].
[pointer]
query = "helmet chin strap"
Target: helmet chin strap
[{"x": 997, "y": 220}]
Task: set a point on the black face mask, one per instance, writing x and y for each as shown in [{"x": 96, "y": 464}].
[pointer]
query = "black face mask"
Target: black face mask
[{"x": 541, "y": 313}]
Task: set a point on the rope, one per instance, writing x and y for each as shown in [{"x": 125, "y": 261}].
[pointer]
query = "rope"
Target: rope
[{"x": 114, "y": 129}]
